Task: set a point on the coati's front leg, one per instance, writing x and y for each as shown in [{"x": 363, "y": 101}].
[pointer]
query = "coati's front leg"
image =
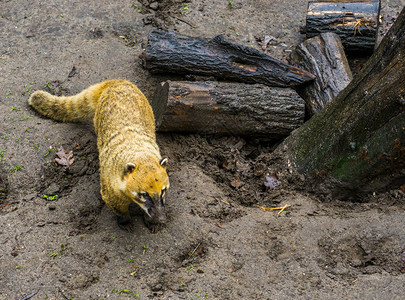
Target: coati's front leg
[
  {"x": 123, "y": 217},
  {"x": 119, "y": 207}
]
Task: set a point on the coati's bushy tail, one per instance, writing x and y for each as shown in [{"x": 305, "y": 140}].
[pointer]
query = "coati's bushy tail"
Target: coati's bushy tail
[{"x": 75, "y": 108}]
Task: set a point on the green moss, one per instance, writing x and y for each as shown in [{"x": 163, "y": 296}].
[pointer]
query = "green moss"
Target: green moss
[{"x": 347, "y": 168}]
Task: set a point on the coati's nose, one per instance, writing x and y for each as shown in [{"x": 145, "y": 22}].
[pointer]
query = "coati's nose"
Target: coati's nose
[
  {"x": 158, "y": 215},
  {"x": 161, "y": 218}
]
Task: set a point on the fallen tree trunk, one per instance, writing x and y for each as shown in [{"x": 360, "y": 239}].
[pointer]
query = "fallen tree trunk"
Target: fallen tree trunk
[
  {"x": 324, "y": 57},
  {"x": 356, "y": 22},
  {"x": 232, "y": 108},
  {"x": 358, "y": 140},
  {"x": 175, "y": 53}
]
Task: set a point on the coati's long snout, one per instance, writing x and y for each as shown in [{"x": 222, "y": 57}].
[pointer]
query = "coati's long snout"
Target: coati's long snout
[{"x": 156, "y": 213}]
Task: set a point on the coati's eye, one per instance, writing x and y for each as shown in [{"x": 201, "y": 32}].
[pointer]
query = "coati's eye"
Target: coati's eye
[{"x": 144, "y": 196}]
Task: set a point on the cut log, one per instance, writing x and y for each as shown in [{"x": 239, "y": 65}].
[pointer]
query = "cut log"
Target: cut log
[
  {"x": 324, "y": 57},
  {"x": 359, "y": 138},
  {"x": 232, "y": 108},
  {"x": 356, "y": 22},
  {"x": 175, "y": 53}
]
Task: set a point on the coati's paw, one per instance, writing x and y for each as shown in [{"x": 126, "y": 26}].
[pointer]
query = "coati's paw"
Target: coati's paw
[
  {"x": 153, "y": 227},
  {"x": 124, "y": 223}
]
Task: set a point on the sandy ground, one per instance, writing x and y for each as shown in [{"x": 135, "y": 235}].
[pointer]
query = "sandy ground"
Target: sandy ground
[{"x": 217, "y": 243}]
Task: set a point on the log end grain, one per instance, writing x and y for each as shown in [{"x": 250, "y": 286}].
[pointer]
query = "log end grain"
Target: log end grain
[{"x": 323, "y": 56}]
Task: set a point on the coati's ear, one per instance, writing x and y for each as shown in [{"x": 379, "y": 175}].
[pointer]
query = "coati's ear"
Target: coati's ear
[
  {"x": 163, "y": 162},
  {"x": 129, "y": 168}
]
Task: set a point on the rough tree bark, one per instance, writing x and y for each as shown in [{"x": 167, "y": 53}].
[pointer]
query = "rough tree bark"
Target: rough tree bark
[
  {"x": 324, "y": 57},
  {"x": 175, "y": 53},
  {"x": 358, "y": 139},
  {"x": 217, "y": 107},
  {"x": 355, "y": 21}
]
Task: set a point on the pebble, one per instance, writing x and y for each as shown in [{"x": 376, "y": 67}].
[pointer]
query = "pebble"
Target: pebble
[
  {"x": 52, "y": 190},
  {"x": 147, "y": 20},
  {"x": 154, "y": 5},
  {"x": 29, "y": 197}
]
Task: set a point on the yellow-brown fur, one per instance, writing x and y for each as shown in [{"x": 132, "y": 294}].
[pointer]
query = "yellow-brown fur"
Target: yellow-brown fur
[{"x": 131, "y": 168}]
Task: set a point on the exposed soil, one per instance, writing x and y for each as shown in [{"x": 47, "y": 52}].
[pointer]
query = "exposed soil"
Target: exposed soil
[{"x": 59, "y": 241}]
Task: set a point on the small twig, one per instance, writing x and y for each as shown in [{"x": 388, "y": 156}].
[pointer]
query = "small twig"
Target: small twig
[
  {"x": 358, "y": 24},
  {"x": 4, "y": 205},
  {"x": 225, "y": 202},
  {"x": 184, "y": 21},
  {"x": 282, "y": 208},
  {"x": 195, "y": 249},
  {"x": 64, "y": 296},
  {"x": 30, "y": 295}
]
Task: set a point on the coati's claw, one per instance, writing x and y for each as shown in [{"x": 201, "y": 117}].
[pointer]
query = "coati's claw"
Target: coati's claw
[{"x": 153, "y": 227}]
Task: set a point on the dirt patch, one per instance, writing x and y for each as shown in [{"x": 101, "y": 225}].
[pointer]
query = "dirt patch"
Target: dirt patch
[
  {"x": 162, "y": 14},
  {"x": 58, "y": 239},
  {"x": 365, "y": 255},
  {"x": 58, "y": 179}
]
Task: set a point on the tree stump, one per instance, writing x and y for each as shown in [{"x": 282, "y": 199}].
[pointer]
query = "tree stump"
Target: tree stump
[
  {"x": 359, "y": 138},
  {"x": 324, "y": 57},
  {"x": 356, "y": 22},
  {"x": 175, "y": 53},
  {"x": 231, "y": 108}
]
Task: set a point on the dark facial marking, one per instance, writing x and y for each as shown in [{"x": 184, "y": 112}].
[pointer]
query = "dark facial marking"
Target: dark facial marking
[{"x": 148, "y": 203}]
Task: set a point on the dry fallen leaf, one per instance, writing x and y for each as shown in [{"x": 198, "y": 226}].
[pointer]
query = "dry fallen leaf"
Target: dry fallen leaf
[
  {"x": 236, "y": 183},
  {"x": 272, "y": 182},
  {"x": 267, "y": 40},
  {"x": 64, "y": 159}
]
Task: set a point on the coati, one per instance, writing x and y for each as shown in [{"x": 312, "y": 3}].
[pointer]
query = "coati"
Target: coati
[{"x": 131, "y": 167}]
